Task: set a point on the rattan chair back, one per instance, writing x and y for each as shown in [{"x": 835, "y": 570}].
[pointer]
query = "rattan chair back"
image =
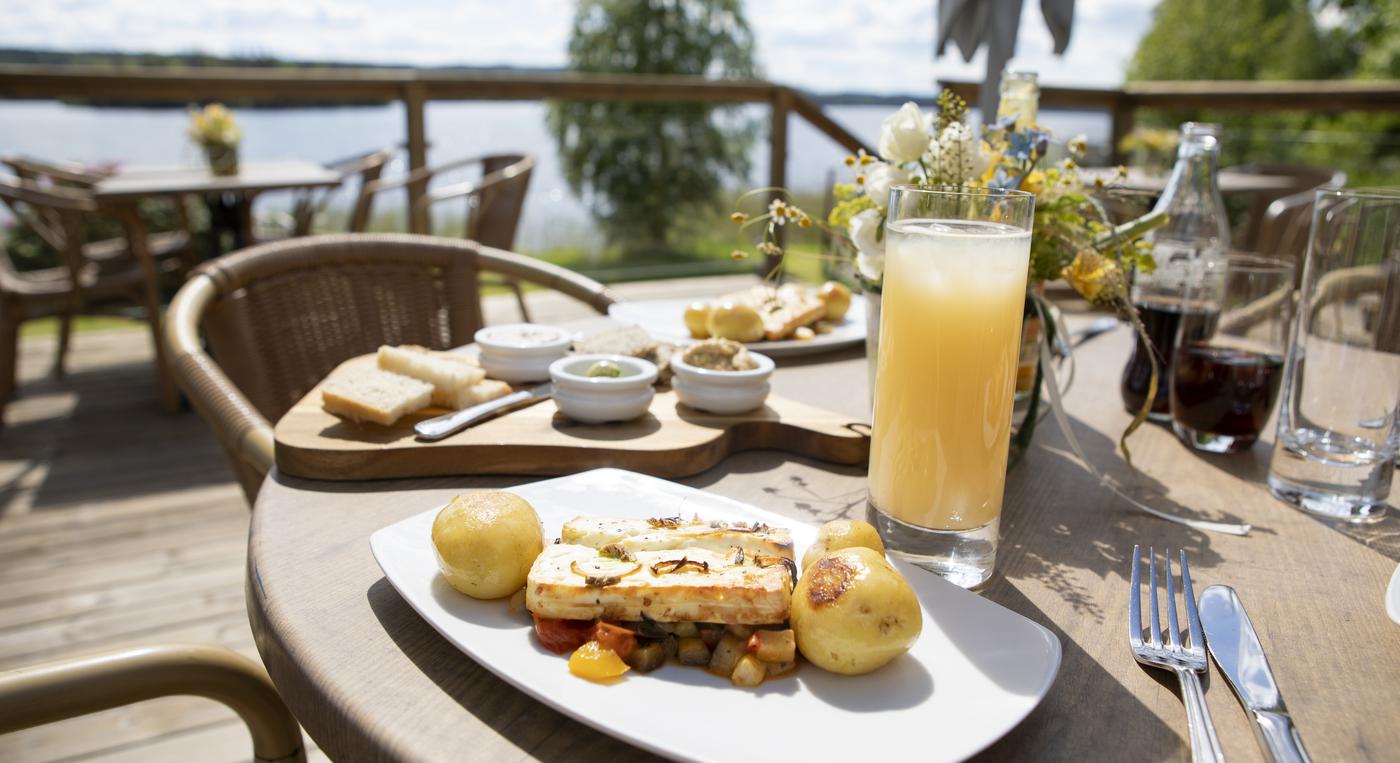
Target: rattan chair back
[
  {"x": 280, "y": 316},
  {"x": 493, "y": 215}
]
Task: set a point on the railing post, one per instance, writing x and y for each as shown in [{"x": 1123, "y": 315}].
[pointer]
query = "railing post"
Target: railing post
[
  {"x": 414, "y": 99},
  {"x": 1122, "y": 116},
  {"x": 777, "y": 161}
]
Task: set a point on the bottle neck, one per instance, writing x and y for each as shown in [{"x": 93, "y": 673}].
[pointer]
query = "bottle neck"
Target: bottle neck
[{"x": 1197, "y": 162}]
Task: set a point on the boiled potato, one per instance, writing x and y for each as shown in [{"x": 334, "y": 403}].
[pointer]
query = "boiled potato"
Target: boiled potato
[
  {"x": 486, "y": 543},
  {"x": 853, "y": 612},
  {"x": 837, "y": 297},
  {"x": 843, "y": 533},
  {"x": 697, "y": 319},
  {"x": 741, "y": 323}
]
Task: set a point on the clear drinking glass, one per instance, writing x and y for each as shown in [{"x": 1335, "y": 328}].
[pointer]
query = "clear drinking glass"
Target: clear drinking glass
[
  {"x": 954, "y": 294},
  {"x": 1228, "y": 364},
  {"x": 1337, "y": 430}
]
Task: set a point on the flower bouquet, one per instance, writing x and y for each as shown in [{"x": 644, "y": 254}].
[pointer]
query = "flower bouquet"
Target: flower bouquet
[
  {"x": 216, "y": 132},
  {"x": 1073, "y": 237}
]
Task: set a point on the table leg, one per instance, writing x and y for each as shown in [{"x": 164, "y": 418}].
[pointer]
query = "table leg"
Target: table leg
[
  {"x": 136, "y": 239},
  {"x": 243, "y": 231}
]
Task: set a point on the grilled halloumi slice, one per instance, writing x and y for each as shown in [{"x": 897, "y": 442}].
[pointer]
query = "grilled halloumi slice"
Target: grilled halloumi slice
[
  {"x": 661, "y": 534},
  {"x": 577, "y": 582}
]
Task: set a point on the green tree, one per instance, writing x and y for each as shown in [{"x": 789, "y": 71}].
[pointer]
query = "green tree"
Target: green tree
[
  {"x": 643, "y": 166},
  {"x": 1282, "y": 39}
]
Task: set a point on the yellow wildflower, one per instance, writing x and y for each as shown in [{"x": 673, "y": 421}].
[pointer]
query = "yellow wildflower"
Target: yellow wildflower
[
  {"x": 1034, "y": 182},
  {"x": 738, "y": 254},
  {"x": 739, "y": 218},
  {"x": 1090, "y": 273}
]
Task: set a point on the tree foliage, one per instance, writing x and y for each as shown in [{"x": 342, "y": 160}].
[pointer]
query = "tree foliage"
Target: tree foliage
[
  {"x": 644, "y": 166},
  {"x": 1283, "y": 39}
]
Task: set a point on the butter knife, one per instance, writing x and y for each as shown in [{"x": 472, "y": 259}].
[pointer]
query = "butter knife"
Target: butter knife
[
  {"x": 452, "y": 423},
  {"x": 1237, "y": 652}
]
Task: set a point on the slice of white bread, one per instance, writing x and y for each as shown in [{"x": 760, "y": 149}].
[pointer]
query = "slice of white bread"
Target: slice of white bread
[
  {"x": 452, "y": 375},
  {"x": 482, "y": 391},
  {"x": 371, "y": 394}
]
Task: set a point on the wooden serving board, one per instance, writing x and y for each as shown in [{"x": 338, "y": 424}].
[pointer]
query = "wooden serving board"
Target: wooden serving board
[{"x": 671, "y": 440}]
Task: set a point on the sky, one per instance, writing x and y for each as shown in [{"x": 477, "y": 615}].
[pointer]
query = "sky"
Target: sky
[{"x": 883, "y": 46}]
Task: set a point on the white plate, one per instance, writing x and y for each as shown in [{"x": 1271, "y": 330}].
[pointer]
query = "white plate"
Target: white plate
[
  {"x": 976, "y": 671},
  {"x": 665, "y": 319},
  {"x": 1392, "y": 596}
]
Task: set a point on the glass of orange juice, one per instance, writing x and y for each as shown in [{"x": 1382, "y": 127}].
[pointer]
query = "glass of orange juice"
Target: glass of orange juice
[{"x": 950, "y": 335}]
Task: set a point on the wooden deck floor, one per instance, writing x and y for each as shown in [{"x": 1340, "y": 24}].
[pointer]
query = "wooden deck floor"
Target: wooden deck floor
[{"x": 121, "y": 526}]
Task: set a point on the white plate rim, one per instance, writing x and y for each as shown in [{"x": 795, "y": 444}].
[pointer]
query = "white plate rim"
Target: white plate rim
[{"x": 1008, "y": 721}]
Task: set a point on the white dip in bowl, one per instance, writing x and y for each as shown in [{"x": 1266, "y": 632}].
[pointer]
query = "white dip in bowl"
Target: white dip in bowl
[
  {"x": 521, "y": 352},
  {"x": 723, "y": 392}
]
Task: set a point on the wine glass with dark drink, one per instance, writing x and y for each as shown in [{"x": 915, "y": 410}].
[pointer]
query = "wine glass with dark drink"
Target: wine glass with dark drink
[{"x": 1225, "y": 374}]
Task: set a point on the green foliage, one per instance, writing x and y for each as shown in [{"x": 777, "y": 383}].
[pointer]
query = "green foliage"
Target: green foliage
[
  {"x": 643, "y": 166},
  {"x": 1282, "y": 39}
]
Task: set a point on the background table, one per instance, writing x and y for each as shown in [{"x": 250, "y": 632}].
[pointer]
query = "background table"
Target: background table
[
  {"x": 369, "y": 679},
  {"x": 131, "y": 184},
  {"x": 1231, "y": 181}
]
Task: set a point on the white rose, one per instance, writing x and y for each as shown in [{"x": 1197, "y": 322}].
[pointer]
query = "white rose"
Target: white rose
[
  {"x": 904, "y": 134},
  {"x": 870, "y": 249},
  {"x": 880, "y": 178}
]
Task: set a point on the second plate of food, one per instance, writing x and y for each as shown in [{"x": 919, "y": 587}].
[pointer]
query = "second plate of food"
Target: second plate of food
[
  {"x": 665, "y": 320},
  {"x": 976, "y": 670}
]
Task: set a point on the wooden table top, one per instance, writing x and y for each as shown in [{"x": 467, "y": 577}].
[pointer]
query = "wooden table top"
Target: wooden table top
[
  {"x": 369, "y": 679},
  {"x": 1231, "y": 181},
  {"x": 140, "y": 180}
]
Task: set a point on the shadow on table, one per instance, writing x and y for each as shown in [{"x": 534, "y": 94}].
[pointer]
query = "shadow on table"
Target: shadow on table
[
  {"x": 529, "y": 725},
  {"x": 1060, "y": 525},
  {"x": 1084, "y": 707},
  {"x": 787, "y": 488}
]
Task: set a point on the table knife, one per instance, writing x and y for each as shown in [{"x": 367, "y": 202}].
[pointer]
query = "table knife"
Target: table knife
[
  {"x": 452, "y": 423},
  {"x": 1235, "y": 646}
]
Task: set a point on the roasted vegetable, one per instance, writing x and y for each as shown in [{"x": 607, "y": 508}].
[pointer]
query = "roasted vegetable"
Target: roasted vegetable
[
  {"x": 562, "y": 636},
  {"x": 648, "y": 656},
  {"x": 685, "y": 630},
  {"x": 596, "y": 663},
  {"x": 773, "y": 646},
  {"x": 780, "y": 668},
  {"x": 616, "y": 638},
  {"x": 749, "y": 671},
  {"x": 741, "y": 631},
  {"x": 711, "y": 633},
  {"x": 692, "y": 651},
  {"x": 726, "y": 655}
]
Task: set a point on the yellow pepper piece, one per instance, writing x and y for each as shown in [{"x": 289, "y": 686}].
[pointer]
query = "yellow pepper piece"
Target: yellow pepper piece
[{"x": 596, "y": 663}]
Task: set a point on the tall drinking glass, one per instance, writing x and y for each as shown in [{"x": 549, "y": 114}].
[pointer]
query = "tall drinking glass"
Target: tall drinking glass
[
  {"x": 1225, "y": 375},
  {"x": 950, "y": 333},
  {"x": 1337, "y": 429}
]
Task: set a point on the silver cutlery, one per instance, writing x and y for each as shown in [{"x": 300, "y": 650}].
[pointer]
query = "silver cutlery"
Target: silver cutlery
[
  {"x": 452, "y": 423},
  {"x": 1240, "y": 657},
  {"x": 1172, "y": 653}
]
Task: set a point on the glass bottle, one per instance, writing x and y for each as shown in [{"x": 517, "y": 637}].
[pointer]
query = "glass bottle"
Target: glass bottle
[
  {"x": 1020, "y": 98},
  {"x": 1197, "y": 231}
]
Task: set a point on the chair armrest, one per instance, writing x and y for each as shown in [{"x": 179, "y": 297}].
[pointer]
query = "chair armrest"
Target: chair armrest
[
  {"x": 65, "y": 689},
  {"x": 562, "y": 280},
  {"x": 469, "y": 188},
  {"x": 244, "y": 432},
  {"x": 422, "y": 174}
]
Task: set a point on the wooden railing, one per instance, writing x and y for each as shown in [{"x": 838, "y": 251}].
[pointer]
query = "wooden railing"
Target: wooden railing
[
  {"x": 1324, "y": 96},
  {"x": 415, "y": 88}
]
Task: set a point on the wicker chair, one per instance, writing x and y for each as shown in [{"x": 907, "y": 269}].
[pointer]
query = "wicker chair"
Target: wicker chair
[
  {"x": 310, "y": 203},
  {"x": 73, "y": 288},
  {"x": 1302, "y": 178},
  {"x": 172, "y": 250},
  {"x": 493, "y": 203},
  {"x": 280, "y": 316},
  {"x": 40, "y": 694}
]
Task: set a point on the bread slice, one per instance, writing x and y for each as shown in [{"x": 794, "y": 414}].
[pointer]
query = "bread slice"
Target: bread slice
[
  {"x": 371, "y": 394},
  {"x": 482, "y": 391},
  {"x": 450, "y": 374},
  {"x": 661, "y": 534},
  {"x": 578, "y": 583}
]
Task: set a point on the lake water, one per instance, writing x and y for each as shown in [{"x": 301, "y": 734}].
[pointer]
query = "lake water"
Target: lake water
[{"x": 553, "y": 216}]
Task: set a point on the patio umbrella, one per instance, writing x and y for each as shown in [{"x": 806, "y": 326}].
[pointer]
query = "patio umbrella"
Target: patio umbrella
[{"x": 970, "y": 23}]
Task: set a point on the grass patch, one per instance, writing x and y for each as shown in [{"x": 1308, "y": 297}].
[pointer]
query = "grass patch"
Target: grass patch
[{"x": 42, "y": 327}]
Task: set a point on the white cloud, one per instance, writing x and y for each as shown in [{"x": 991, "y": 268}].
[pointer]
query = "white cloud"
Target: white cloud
[{"x": 872, "y": 45}]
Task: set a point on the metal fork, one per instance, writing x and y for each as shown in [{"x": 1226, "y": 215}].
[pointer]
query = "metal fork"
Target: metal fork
[{"x": 1172, "y": 653}]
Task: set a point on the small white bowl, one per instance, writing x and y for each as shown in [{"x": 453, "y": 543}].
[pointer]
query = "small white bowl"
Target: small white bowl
[
  {"x": 722, "y": 392},
  {"x": 521, "y": 352},
  {"x": 600, "y": 399}
]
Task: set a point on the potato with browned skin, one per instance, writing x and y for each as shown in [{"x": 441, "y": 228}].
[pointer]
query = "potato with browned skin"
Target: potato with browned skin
[
  {"x": 852, "y": 612},
  {"x": 843, "y": 533}
]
